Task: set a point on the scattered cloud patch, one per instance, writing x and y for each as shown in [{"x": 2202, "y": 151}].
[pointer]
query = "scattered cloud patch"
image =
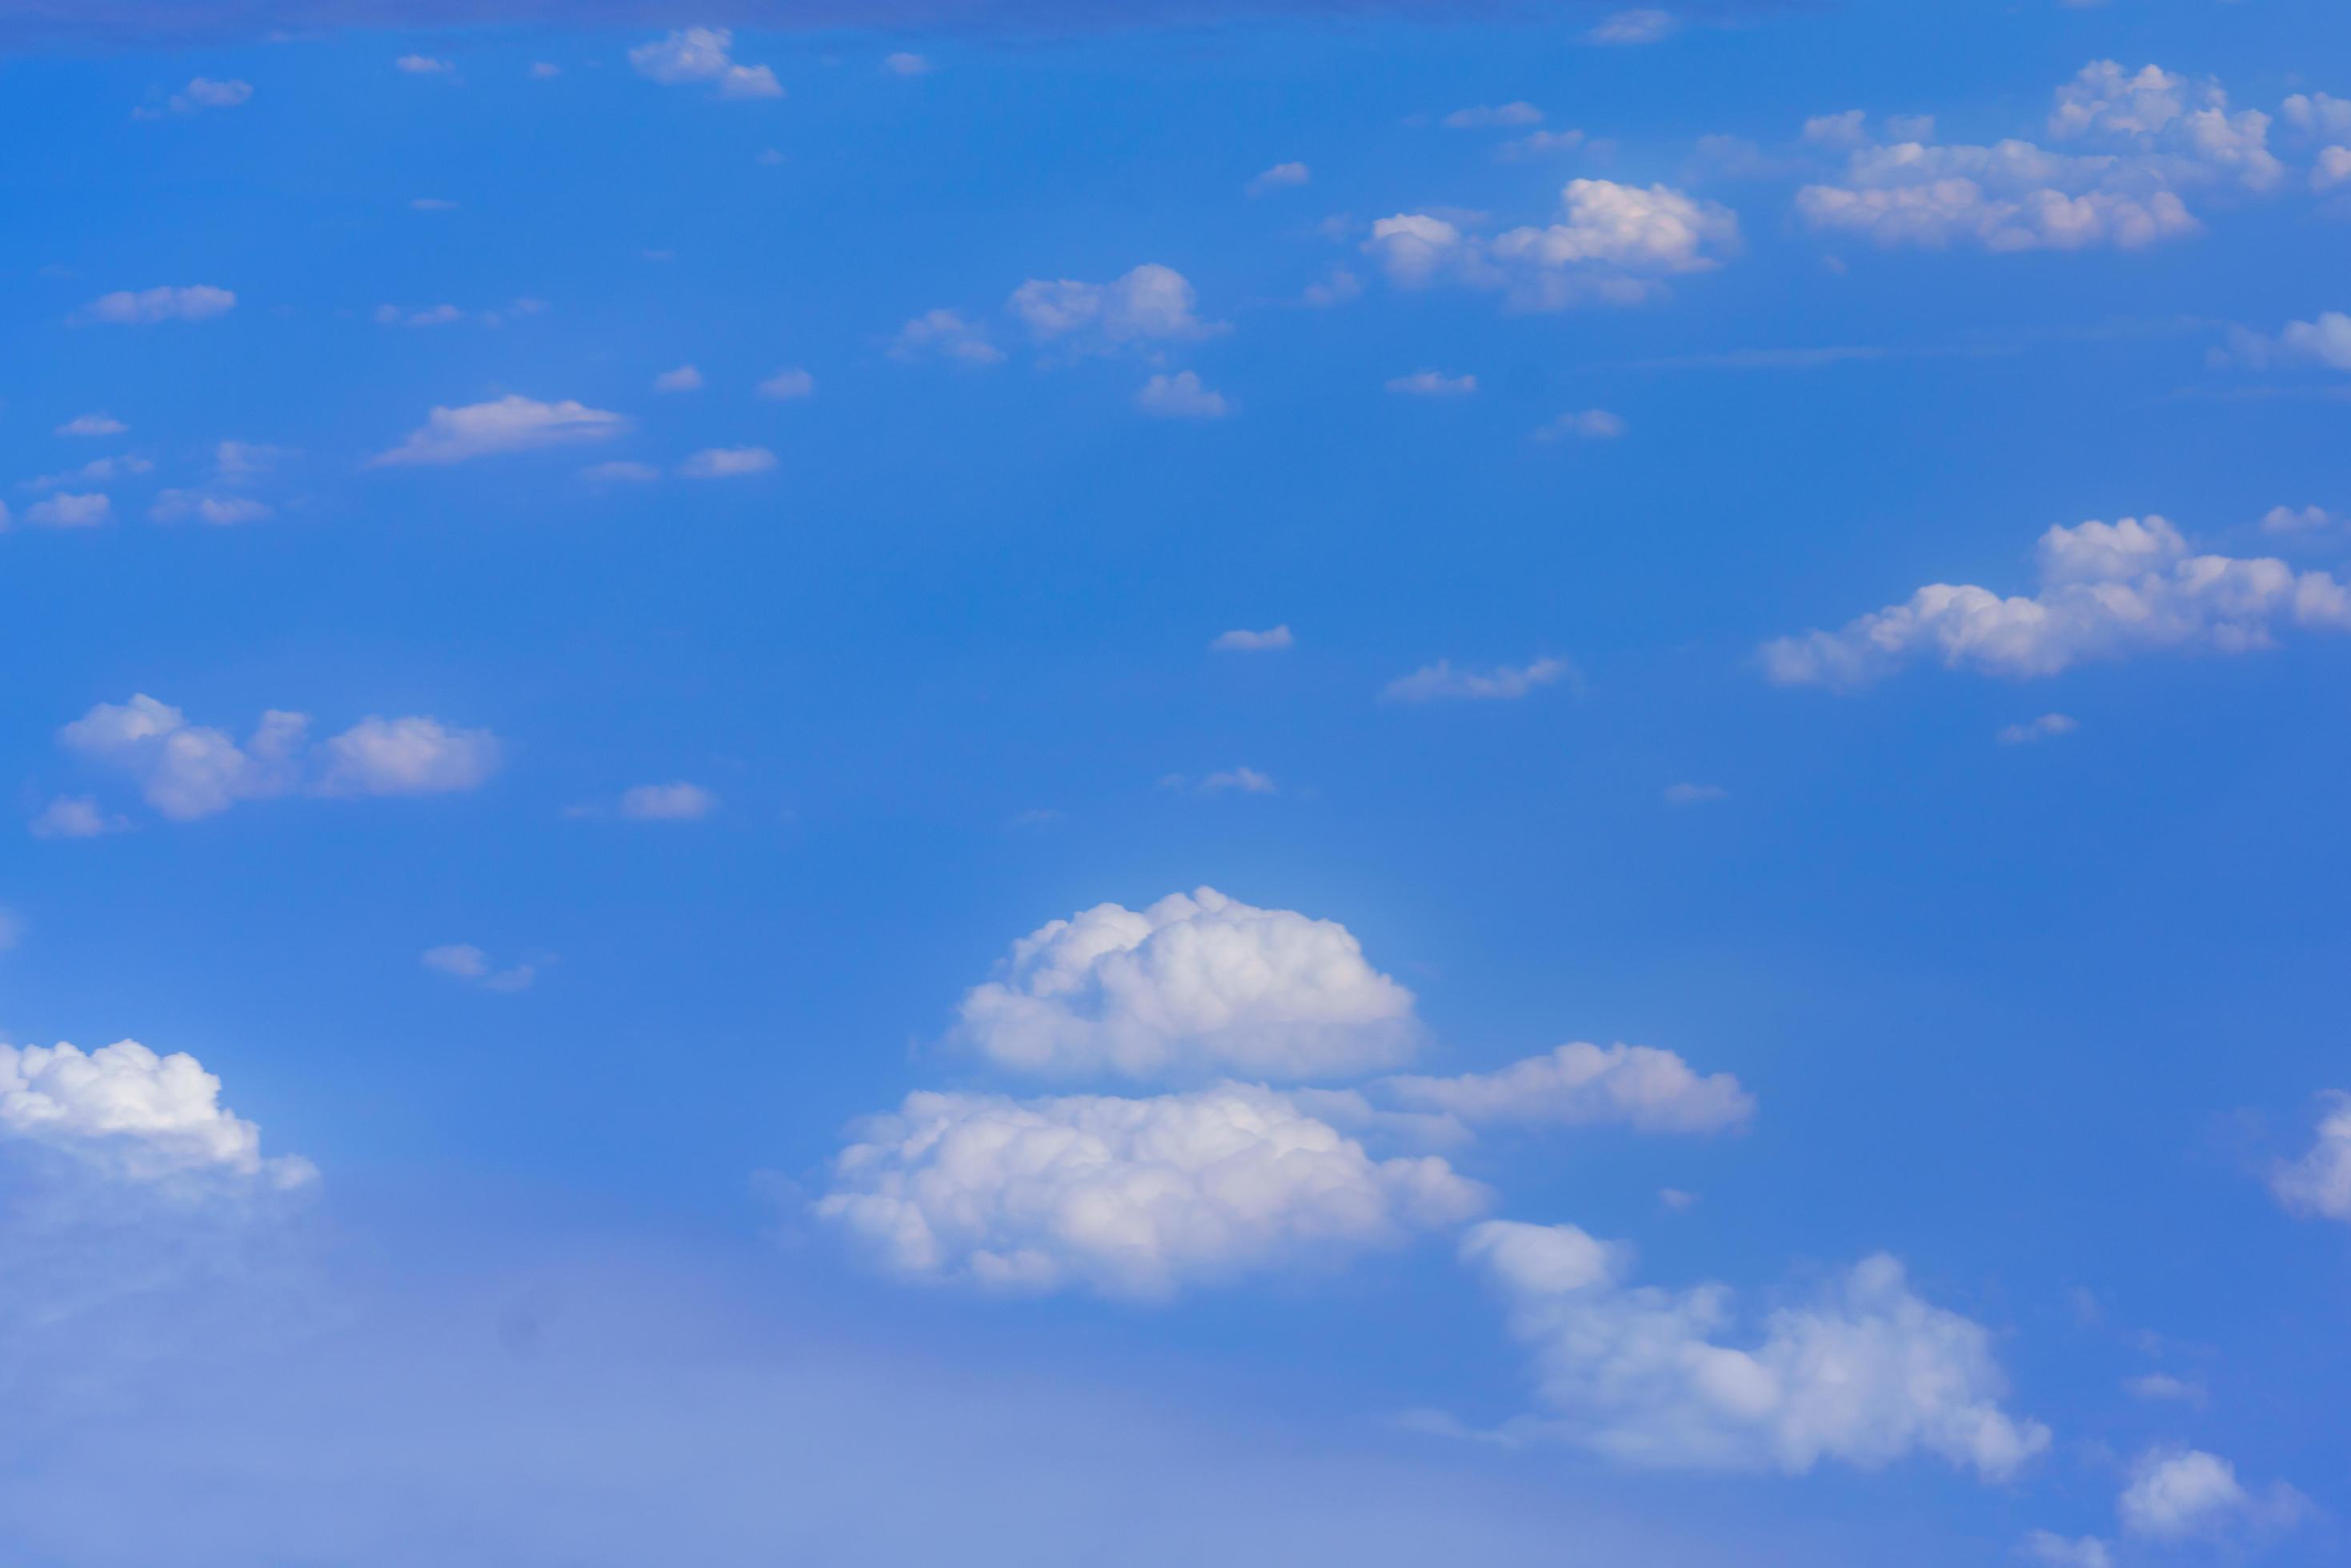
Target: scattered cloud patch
[
  {"x": 1432, "y": 384},
  {"x": 509, "y": 424},
  {"x": 945, "y": 335},
  {"x": 2161, "y": 1387},
  {"x": 2318, "y": 1184},
  {"x": 1586, "y": 424},
  {"x": 1583, "y": 1084},
  {"x": 463, "y": 961},
  {"x": 1694, "y": 793},
  {"x": 703, "y": 57},
  {"x": 2054, "y": 1551},
  {"x": 1148, "y": 305},
  {"x": 727, "y": 463},
  {"x": 221, "y": 511},
  {"x": 143, "y": 307},
  {"x": 423, "y": 66},
  {"x": 2325, "y": 342},
  {"x": 2048, "y": 727},
  {"x": 789, "y": 383},
  {"x": 1644, "y": 25},
  {"x": 1237, "y": 780},
  {"x": 68, "y": 510},
  {"x": 75, "y": 816},
  {"x": 2107, "y": 591},
  {"x": 1243, "y": 641},
  {"x": 203, "y": 93},
  {"x": 97, "y": 424},
  {"x": 1441, "y": 681},
  {"x": 904, "y": 64},
  {"x": 1488, "y": 116},
  {"x": 684, "y": 379},
  {"x": 1280, "y": 177},
  {"x": 1612, "y": 244},
  {"x": 1130, "y": 1198},
  {"x": 620, "y": 473},
  {"x": 678, "y": 802},
  {"x": 1866, "y": 1374},
  {"x": 1195, "y": 984},
  {"x": 2178, "y": 1494},
  {"x": 1181, "y": 396}
]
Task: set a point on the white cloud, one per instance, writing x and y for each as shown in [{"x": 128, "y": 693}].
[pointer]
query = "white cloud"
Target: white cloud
[
  {"x": 1149, "y": 305},
  {"x": 2056, "y": 1551},
  {"x": 1845, "y": 129},
  {"x": 128, "y": 307},
  {"x": 1694, "y": 794},
  {"x": 2320, "y": 114},
  {"x": 1433, "y": 384},
  {"x": 187, "y": 771},
  {"x": 1538, "y": 143},
  {"x": 98, "y": 471},
  {"x": 1181, "y": 396},
  {"x": 1441, "y": 681},
  {"x": 511, "y": 423},
  {"x": 903, "y": 64},
  {"x": 1484, "y": 116},
  {"x": 137, "y": 1115},
  {"x": 2332, "y": 167},
  {"x": 422, "y": 66},
  {"x": 684, "y": 379},
  {"x": 1280, "y": 177},
  {"x": 74, "y": 817},
  {"x": 702, "y": 55},
  {"x": 2181, "y": 1493},
  {"x": 2319, "y": 1182},
  {"x": 68, "y": 509},
  {"x": 1242, "y": 642},
  {"x": 1613, "y": 245},
  {"x": 787, "y": 384},
  {"x": 98, "y": 424},
  {"x": 1866, "y": 1374},
  {"x": 222, "y": 510},
  {"x": 203, "y": 93},
  {"x": 423, "y": 316},
  {"x": 466, "y": 961},
  {"x": 2325, "y": 341},
  {"x": 1586, "y": 424},
  {"x": 2150, "y": 136},
  {"x": 1244, "y": 780},
  {"x": 2294, "y": 520},
  {"x": 1339, "y": 288},
  {"x": 239, "y": 462},
  {"x": 1581, "y": 1084},
  {"x": 1195, "y": 984},
  {"x": 2161, "y": 1386},
  {"x": 2107, "y": 591},
  {"x": 2048, "y": 727},
  {"x": 1133, "y": 1198},
  {"x": 1645, "y": 24},
  {"x": 947, "y": 335},
  {"x": 620, "y": 473},
  {"x": 678, "y": 802},
  {"x": 727, "y": 463}
]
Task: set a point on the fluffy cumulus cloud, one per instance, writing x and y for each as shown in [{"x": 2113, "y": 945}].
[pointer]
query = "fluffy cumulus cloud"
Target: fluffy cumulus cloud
[
  {"x": 2178, "y": 1494},
  {"x": 141, "y": 307},
  {"x": 188, "y": 771},
  {"x": 944, "y": 334},
  {"x": 2318, "y": 1183},
  {"x": 1867, "y": 1373},
  {"x": 1442, "y": 681},
  {"x": 508, "y": 424},
  {"x": 1135, "y": 1198},
  {"x": 2325, "y": 343},
  {"x": 694, "y": 56},
  {"x": 1149, "y": 305},
  {"x": 138, "y": 1115},
  {"x": 1612, "y": 244},
  {"x": 1280, "y": 177},
  {"x": 203, "y": 93},
  {"x": 2135, "y": 140},
  {"x": 1195, "y": 985},
  {"x": 1583, "y": 1084},
  {"x": 2107, "y": 591},
  {"x": 1182, "y": 396}
]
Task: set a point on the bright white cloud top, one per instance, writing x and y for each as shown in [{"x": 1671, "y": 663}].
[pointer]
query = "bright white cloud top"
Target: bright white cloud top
[
  {"x": 1583, "y": 1084},
  {"x": 1135, "y": 1198},
  {"x": 2178, "y": 1494},
  {"x": 132, "y": 1112},
  {"x": 1196, "y": 986},
  {"x": 2318, "y": 1183},
  {"x": 1866, "y": 1374},
  {"x": 2107, "y": 591},
  {"x": 1149, "y": 305},
  {"x": 188, "y": 771},
  {"x": 694, "y": 56}
]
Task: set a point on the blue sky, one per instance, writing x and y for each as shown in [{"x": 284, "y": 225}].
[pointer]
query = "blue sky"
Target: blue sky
[{"x": 1263, "y": 784}]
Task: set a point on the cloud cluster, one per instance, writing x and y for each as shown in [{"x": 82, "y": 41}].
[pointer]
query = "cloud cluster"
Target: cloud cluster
[
  {"x": 1865, "y": 1373},
  {"x": 132, "y": 1112},
  {"x": 2146, "y": 135},
  {"x": 1146, "y": 306},
  {"x": 1195, "y": 985},
  {"x": 2107, "y": 591},
  {"x": 1583, "y": 1084},
  {"x": 694, "y": 57},
  {"x": 1441, "y": 681},
  {"x": 188, "y": 771},
  {"x": 2177, "y": 1494},
  {"x": 1612, "y": 244},
  {"x": 1130, "y": 1198},
  {"x": 142, "y": 307}
]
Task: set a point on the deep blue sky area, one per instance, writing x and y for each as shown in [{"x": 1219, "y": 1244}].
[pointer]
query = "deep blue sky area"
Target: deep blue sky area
[{"x": 1803, "y": 545}]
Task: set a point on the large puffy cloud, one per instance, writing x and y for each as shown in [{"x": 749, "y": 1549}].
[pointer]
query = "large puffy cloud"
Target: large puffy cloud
[
  {"x": 1195, "y": 985},
  {"x": 2107, "y": 591},
  {"x": 187, "y": 771},
  {"x": 1581, "y": 1084},
  {"x": 1126, "y": 1197},
  {"x": 2145, "y": 137},
  {"x": 1612, "y": 244},
  {"x": 1866, "y": 1374},
  {"x": 133, "y": 1113},
  {"x": 2319, "y": 1182},
  {"x": 511, "y": 423}
]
